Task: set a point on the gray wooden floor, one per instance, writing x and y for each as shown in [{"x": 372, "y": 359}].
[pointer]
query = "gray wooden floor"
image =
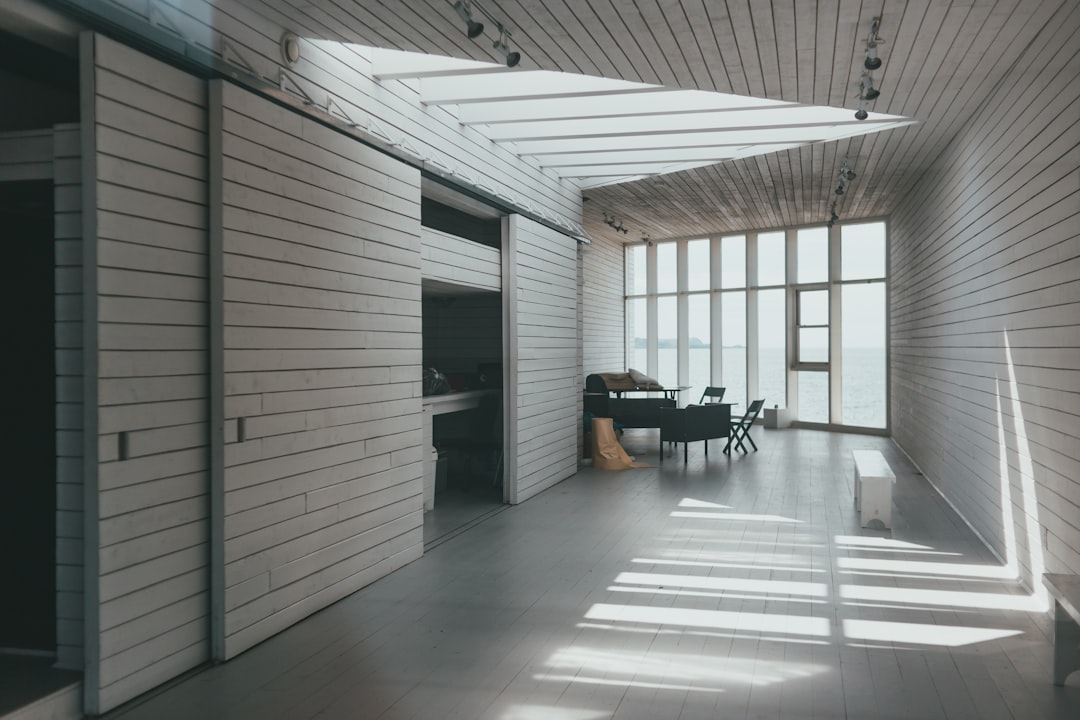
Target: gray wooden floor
[{"x": 726, "y": 588}]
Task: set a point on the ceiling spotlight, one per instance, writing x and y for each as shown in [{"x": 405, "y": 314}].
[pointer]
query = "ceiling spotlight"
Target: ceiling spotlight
[
  {"x": 472, "y": 28},
  {"x": 869, "y": 92},
  {"x": 512, "y": 58},
  {"x": 846, "y": 173},
  {"x": 872, "y": 61},
  {"x": 861, "y": 114},
  {"x": 840, "y": 189}
]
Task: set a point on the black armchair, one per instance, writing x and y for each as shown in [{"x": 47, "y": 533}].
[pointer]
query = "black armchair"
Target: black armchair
[{"x": 690, "y": 424}]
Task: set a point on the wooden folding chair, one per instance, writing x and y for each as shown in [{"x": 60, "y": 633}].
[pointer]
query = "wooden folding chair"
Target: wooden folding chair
[
  {"x": 740, "y": 429},
  {"x": 714, "y": 394}
]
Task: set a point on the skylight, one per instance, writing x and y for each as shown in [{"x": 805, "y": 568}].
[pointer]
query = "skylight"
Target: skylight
[{"x": 596, "y": 131}]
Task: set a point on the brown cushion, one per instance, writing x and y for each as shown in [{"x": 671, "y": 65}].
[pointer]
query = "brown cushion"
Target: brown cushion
[{"x": 640, "y": 379}]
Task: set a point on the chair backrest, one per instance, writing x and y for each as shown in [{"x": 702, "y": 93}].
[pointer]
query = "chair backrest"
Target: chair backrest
[
  {"x": 752, "y": 412},
  {"x": 714, "y": 394}
]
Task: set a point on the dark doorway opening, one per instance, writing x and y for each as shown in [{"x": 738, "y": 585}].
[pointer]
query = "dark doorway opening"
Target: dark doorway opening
[{"x": 28, "y": 433}]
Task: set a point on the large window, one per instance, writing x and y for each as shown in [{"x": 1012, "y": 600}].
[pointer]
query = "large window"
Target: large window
[
  {"x": 818, "y": 345},
  {"x": 862, "y": 297},
  {"x": 772, "y": 347}
]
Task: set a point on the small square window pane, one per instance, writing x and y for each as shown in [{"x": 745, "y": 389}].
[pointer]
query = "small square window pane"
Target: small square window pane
[{"x": 813, "y": 345}]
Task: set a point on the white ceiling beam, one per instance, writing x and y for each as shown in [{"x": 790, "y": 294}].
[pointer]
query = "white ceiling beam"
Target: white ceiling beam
[
  {"x": 719, "y": 152},
  {"x": 520, "y": 85},
  {"x": 790, "y": 117},
  {"x": 616, "y": 105},
  {"x": 700, "y": 139},
  {"x": 398, "y": 65}
]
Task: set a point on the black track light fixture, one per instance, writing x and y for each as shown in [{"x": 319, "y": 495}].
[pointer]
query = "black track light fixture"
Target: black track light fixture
[
  {"x": 867, "y": 90},
  {"x": 464, "y": 10},
  {"x": 872, "y": 61},
  {"x": 512, "y": 58},
  {"x": 840, "y": 189},
  {"x": 472, "y": 28}
]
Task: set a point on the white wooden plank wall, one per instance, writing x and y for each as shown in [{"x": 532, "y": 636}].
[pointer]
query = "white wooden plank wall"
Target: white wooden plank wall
[
  {"x": 458, "y": 261},
  {"x": 545, "y": 367},
  {"x": 985, "y": 252},
  {"x": 323, "y": 471},
  {"x": 327, "y": 68},
  {"x": 461, "y": 333},
  {"x": 152, "y": 360},
  {"x": 603, "y": 311},
  {"x": 67, "y": 210}
]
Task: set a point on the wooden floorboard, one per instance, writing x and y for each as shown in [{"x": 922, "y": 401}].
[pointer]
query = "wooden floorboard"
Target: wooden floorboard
[{"x": 738, "y": 587}]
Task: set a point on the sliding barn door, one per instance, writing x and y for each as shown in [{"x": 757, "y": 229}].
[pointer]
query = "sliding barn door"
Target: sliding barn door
[{"x": 543, "y": 368}]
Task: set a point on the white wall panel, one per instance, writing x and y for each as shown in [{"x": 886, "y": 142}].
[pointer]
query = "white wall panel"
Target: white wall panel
[
  {"x": 603, "y": 307},
  {"x": 542, "y": 320},
  {"x": 152, "y": 389},
  {"x": 322, "y": 354},
  {"x": 985, "y": 301}
]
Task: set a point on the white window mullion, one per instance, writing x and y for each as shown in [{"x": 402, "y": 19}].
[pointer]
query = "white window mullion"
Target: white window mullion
[
  {"x": 716, "y": 318},
  {"x": 683, "y": 335},
  {"x": 652, "y": 345},
  {"x": 836, "y": 351}
]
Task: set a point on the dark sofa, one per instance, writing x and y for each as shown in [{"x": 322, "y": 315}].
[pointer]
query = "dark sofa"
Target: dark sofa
[{"x": 693, "y": 423}]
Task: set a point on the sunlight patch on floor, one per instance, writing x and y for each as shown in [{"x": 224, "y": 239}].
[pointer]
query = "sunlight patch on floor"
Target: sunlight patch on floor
[
  {"x": 746, "y": 622},
  {"x": 905, "y": 633}
]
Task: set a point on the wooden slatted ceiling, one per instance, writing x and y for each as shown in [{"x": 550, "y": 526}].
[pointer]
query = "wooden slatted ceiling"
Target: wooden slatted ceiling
[{"x": 941, "y": 61}]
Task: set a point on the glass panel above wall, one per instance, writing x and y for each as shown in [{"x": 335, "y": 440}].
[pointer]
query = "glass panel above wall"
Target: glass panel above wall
[
  {"x": 635, "y": 270},
  {"x": 697, "y": 257},
  {"x": 666, "y": 272},
  {"x": 733, "y": 261},
  {"x": 771, "y": 259},
  {"x": 862, "y": 251},
  {"x": 813, "y": 257}
]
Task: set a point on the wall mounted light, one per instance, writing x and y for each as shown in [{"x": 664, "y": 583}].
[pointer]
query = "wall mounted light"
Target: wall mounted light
[{"x": 472, "y": 28}]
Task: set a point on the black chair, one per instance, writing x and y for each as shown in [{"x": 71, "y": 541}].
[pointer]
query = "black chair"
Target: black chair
[
  {"x": 714, "y": 394},
  {"x": 740, "y": 429}
]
